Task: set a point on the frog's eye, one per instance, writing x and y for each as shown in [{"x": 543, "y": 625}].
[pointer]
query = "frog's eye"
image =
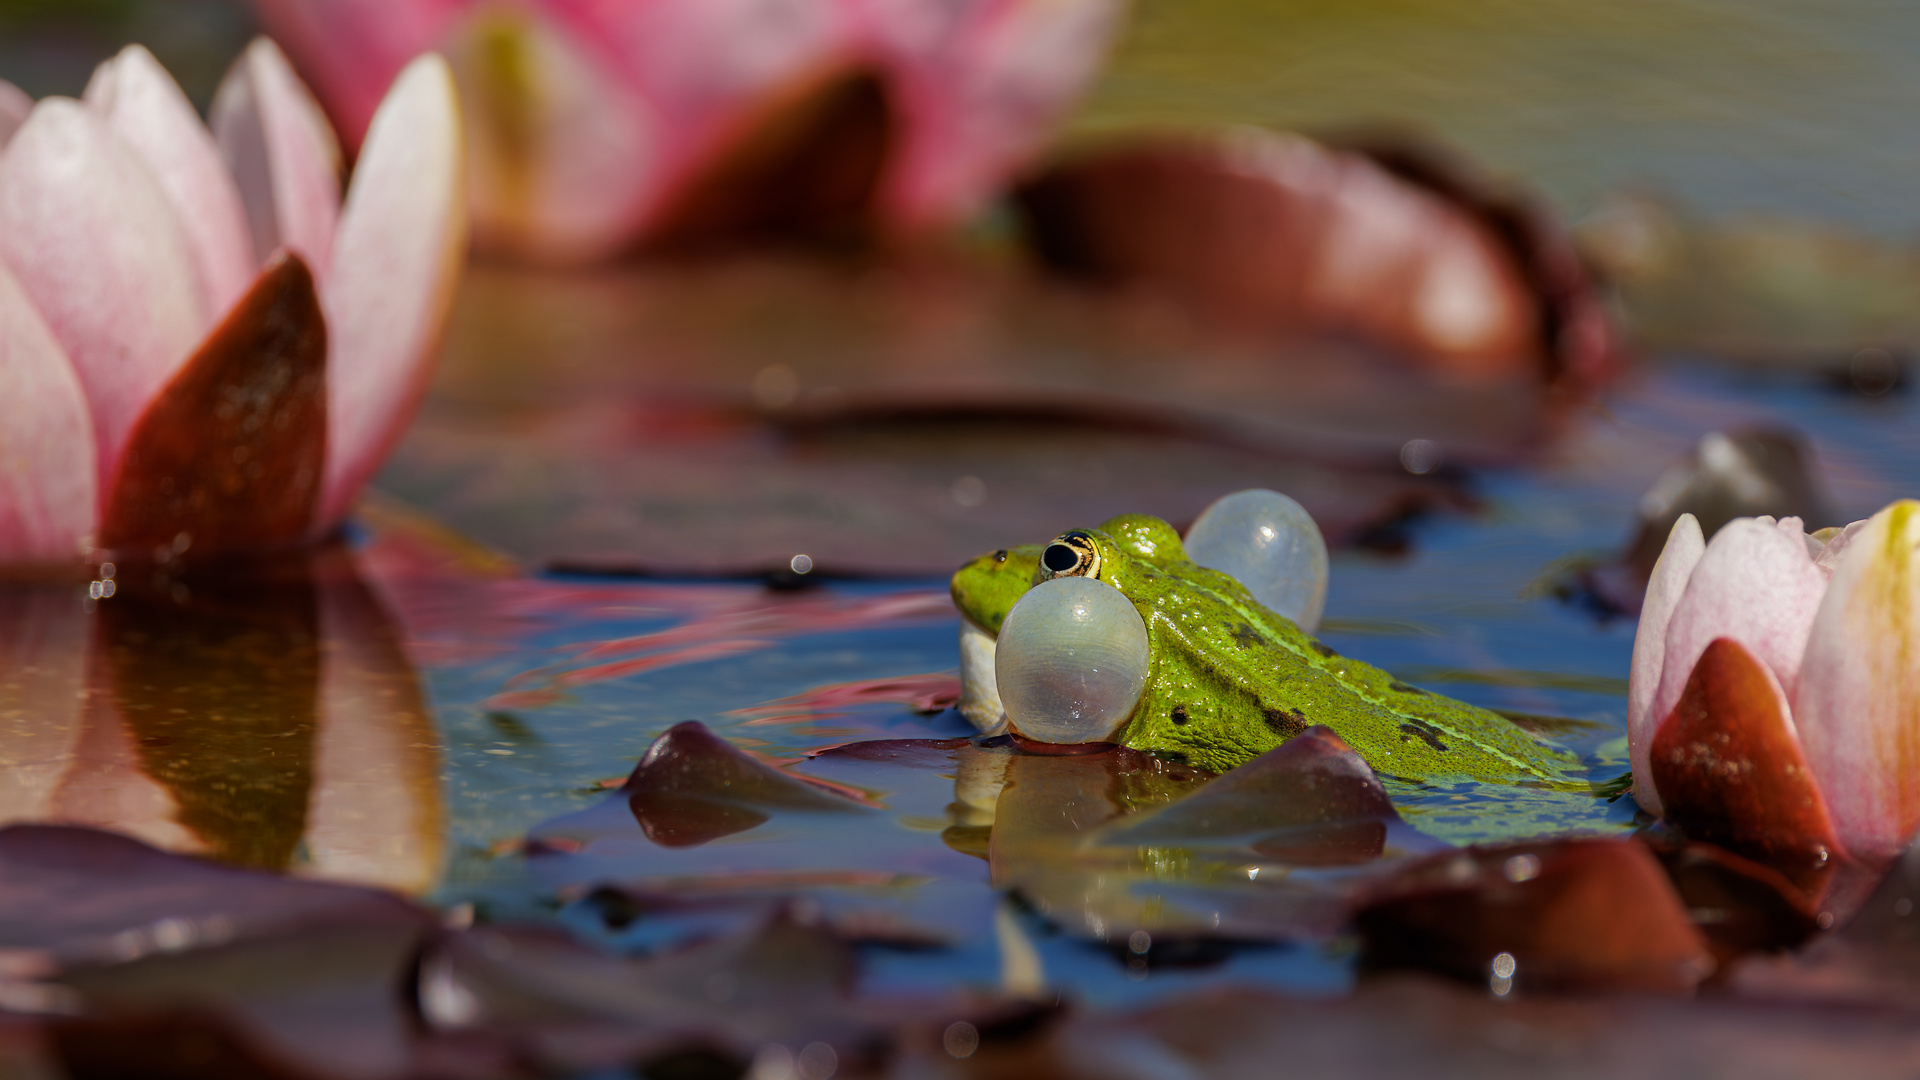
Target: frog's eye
[
  {"x": 1072, "y": 555},
  {"x": 1071, "y": 661}
]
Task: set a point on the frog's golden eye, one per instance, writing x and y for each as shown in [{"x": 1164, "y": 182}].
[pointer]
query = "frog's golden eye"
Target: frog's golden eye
[{"x": 1071, "y": 555}]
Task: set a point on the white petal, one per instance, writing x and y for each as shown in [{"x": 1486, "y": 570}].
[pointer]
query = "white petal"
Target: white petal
[
  {"x": 402, "y": 242},
  {"x": 146, "y": 109},
  {"x": 1684, "y": 547},
  {"x": 14, "y": 107},
  {"x": 49, "y": 503},
  {"x": 1754, "y": 584},
  {"x": 1858, "y": 705},
  {"x": 282, "y": 154},
  {"x": 98, "y": 249}
]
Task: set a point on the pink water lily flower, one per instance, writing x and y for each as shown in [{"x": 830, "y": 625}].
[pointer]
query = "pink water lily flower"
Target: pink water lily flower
[
  {"x": 1774, "y": 703},
  {"x": 597, "y": 123},
  {"x": 200, "y": 343}
]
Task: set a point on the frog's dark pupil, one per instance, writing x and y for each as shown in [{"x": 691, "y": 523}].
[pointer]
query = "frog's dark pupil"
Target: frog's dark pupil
[
  {"x": 1000, "y": 556},
  {"x": 1060, "y": 558}
]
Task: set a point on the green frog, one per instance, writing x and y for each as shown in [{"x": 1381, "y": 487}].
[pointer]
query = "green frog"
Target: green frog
[{"x": 1229, "y": 679}]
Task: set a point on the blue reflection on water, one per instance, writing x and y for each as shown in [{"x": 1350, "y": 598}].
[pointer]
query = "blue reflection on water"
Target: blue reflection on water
[{"x": 1465, "y": 615}]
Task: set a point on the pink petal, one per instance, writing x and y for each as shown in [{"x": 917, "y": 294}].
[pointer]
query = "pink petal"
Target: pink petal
[
  {"x": 282, "y": 153},
  {"x": 96, "y": 246},
  {"x": 1858, "y": 704},
  {"x": 48, "y": 495},
  {"x": 980, "y": 88},
  {"x": 701, "y": 63},
  {"x": 401, "y": 245},
  {"x": 1755, "y": 585},
  {"x": 1836, "y": 546},
  {"x": 14, "y": 107},
  {"x": 351, "y": 50},
  {"x": 1668, "y": 581},
  {"x": 146, "y": 108},
  {"x": 563, "y": 153}
]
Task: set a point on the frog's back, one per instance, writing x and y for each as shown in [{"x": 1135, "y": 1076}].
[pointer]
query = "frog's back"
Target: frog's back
[{"x": 1229, "y": 687}]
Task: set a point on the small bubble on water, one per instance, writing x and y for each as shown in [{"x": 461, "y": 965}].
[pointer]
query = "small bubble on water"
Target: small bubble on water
[
  {"x": 961, "y": 1039},
  {"x": 817, "y": 1062},
  {"x": 1420, "y": 456},
  {"x": 1522, "y": 868}
]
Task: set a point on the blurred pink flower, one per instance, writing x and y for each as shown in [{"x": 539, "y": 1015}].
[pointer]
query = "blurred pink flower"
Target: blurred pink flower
[
  {"x": 1774, "y": 702},
  {"x": 199, "y": 343},
  {"x": 595, "y": 123}
]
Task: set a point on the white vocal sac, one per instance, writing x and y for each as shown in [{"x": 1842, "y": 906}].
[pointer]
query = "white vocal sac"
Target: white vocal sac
[
  {"x": 1270, "y": 544},
  {"x": 1071, "y": 661}
]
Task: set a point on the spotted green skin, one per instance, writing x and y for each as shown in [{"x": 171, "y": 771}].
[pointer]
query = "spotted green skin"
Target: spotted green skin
[{"x": 1229, "y": 679}]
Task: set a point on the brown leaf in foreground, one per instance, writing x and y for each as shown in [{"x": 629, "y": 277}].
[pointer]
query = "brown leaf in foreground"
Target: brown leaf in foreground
[{"x": 1576, "y": 914}]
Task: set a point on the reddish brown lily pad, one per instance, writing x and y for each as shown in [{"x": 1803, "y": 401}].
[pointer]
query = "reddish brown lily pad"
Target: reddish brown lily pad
[
  {"x": 1739, "y": 905},
  {"x": 80, "y": 894},
  {"x": 1555, "y": 915},
  {"x": 230, "y": 455},
  {"x": 693, "y": 787},
  {"x": 1730, "y": 772},
  {"x": 1273, "y": 232}
]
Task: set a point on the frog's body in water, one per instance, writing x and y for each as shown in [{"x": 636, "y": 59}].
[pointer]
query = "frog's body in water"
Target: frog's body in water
[{"x": 1228, "y": 679}]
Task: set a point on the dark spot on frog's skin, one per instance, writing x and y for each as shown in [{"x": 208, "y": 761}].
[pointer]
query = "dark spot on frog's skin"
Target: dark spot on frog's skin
[
  {"x": 1180, "y": 714},
  {"x": 1285, "y": 723},
  {"x": 1324, "y": 649},
  {"x": 1246, "y": 636},
  {"x": 1405, "y": 689},
  {"x": 1178, "y": 757},
  {"x": 1425, "y": 733}
]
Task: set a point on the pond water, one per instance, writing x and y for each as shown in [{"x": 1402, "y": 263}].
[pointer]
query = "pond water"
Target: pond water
[{"x": 540, "y": 703}]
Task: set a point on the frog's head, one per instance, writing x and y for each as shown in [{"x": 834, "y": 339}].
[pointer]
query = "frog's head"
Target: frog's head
[
  {"x": 1099, "y": 554},
  {"x": 987, "y": 587}
]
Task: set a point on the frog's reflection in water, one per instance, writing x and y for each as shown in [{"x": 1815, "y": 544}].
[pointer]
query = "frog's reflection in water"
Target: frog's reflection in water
[{"x": 263, "y": 714}]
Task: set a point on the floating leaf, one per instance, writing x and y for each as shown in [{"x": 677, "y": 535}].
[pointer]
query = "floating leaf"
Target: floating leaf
[
  {"x": 693, "y": 787},
  {"x": 1558, "y": 914}
]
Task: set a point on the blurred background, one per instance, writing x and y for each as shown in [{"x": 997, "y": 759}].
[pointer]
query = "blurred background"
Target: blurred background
[{"x": 1781, "y": 107}]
